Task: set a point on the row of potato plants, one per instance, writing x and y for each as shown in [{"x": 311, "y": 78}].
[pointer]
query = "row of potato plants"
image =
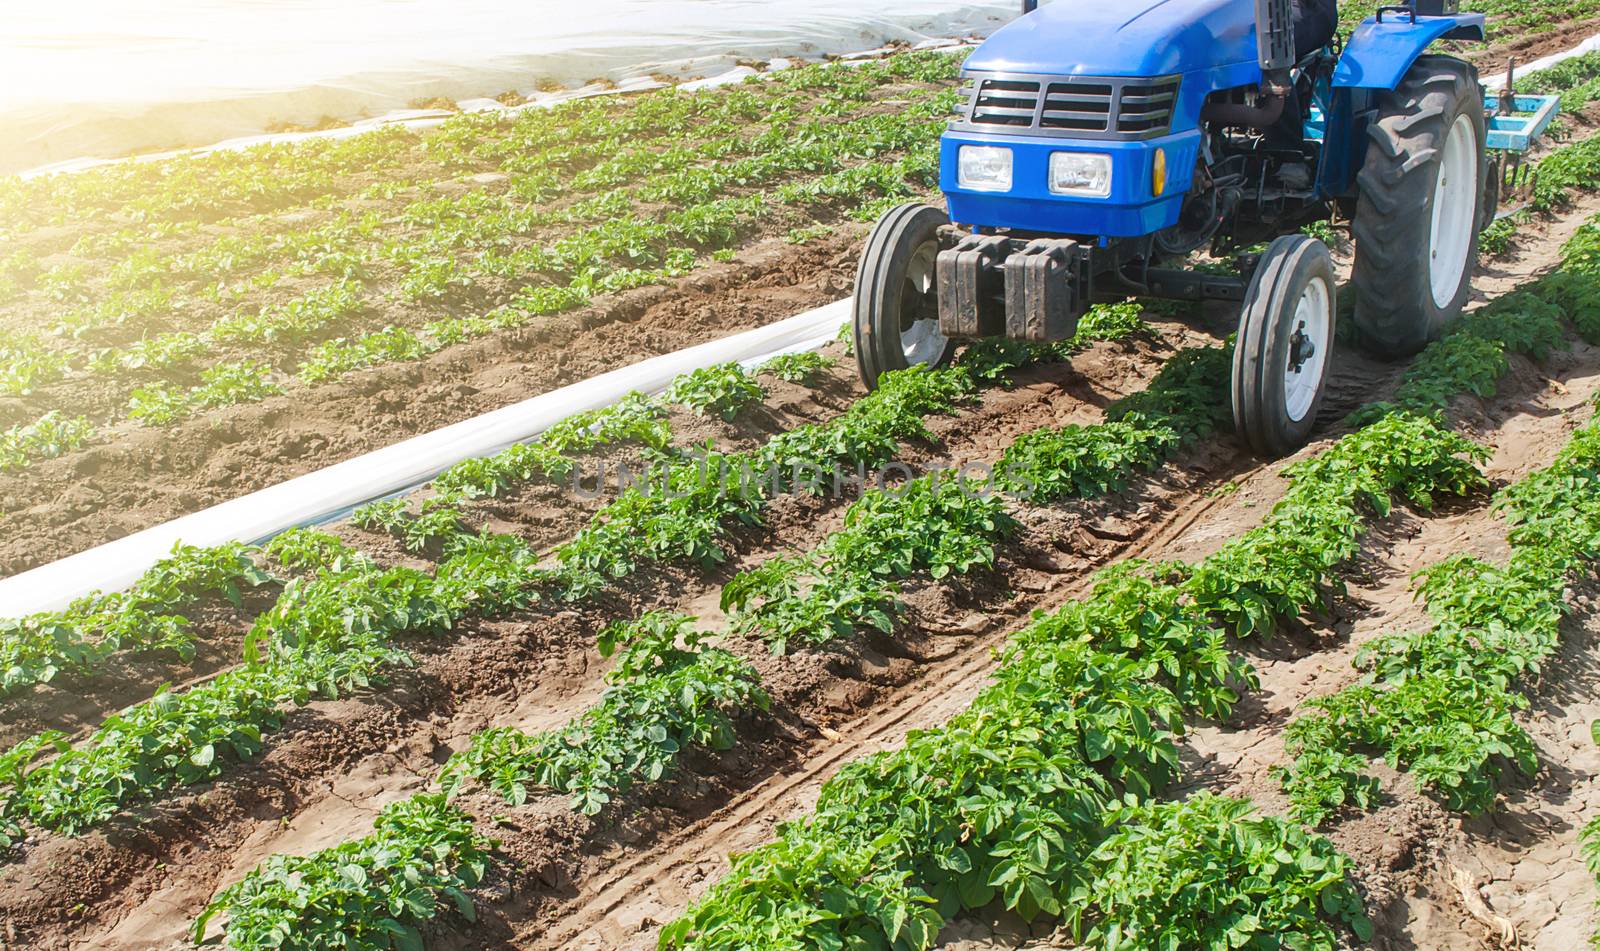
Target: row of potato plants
[
  {"x": 668, "y": 692},
  {"x": 481, "y": 218},
  {"x": 1275, "y": 571},
  {"x": 624, "y": 252},
  {"x": 1039, "y": 795},
  {"x": 1440, "y": 704},
  {"x": 173, "y": 193},
  {"x": 146, "y": 617},
  {"x": 79, "y": 639},
  {"x": 334, "y": 247},
  {"x": 421, "y": 850},
  {"x": 723, "y": 389},
  {"x": 335, "y": 626},
  {"x": 143, "y": 284}
]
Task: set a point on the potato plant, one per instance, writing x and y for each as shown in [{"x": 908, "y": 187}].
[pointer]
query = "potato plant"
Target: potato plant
[
  {"x": 934, "y": 525},
  {"x": 667, "y": 693},
  {"x": 1209, "y": 872},
  {"x": 47, "y": 437},
  {"x": 723, "y": 390},
  {"x": 575, "y": 220},
  {"x": 805, "y": 367},
  {"x": 1441, "y": 703},
  {"x": 367, "y": 894},
  {"x": 1010, "y": 799}
]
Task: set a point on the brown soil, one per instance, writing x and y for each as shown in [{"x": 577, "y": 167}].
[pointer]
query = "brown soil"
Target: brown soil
[
  {"x": 149, "y": 476},
  {"x": 564, "y": 881},
  {"x": 570, "y": 882},
  {"x": 139, "y": 879},
  {"x": 540, "y": 512},
  {"x": 1492, "y": 59}
]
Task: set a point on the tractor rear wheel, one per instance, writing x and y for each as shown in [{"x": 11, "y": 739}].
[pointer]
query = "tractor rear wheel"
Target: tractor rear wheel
[
  {"x": 1420, "y": 208},
  {"x": 897, "y": 297},
  {"x": 1284, "y": 346}
]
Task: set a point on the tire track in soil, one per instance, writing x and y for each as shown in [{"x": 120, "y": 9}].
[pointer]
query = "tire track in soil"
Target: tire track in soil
[
  {"x": 1409, "y": 851},
  {"x": 138, "y": 871},
  {"x": 1532, "y": 877},
  {"x": 278, "y": 790},
  {"x": 641, "y": 889}
]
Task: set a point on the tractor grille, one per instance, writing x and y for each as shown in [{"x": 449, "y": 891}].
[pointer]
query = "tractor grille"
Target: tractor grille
[{"x": 1083, "y": 107}]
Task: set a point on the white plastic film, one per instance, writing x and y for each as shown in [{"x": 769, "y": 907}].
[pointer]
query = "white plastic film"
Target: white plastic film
[
  {"x": 103, "y": 78},
  {"x": 329, "y": 492}
]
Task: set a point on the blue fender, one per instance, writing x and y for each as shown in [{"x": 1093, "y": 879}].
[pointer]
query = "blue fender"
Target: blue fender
[{"x": 1379, "y": 53}]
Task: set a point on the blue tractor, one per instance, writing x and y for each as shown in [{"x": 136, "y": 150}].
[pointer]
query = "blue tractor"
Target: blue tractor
[{"x": 1100, "y": 144}]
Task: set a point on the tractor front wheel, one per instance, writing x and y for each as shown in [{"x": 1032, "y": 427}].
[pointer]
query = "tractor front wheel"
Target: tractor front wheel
[
  {"x": 1420, "y": 208},
  {"x": 1284, "y": 346},
  {"x": 897, "y": 297}
]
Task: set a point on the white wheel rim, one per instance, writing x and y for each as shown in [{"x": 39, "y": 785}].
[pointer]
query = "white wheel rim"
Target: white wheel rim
[
  {"x": 920, "y": 340},
  {"x": 1313, "y": 319},
  {"x": 1455, "y": 203}
]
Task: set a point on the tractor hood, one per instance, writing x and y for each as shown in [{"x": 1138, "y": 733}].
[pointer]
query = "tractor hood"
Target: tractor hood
[{"x": 1122, "y": 38}]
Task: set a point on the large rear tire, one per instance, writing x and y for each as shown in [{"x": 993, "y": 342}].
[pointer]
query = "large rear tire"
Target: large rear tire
[
  {"x": 897, "y": 296},
  {"x": 1421, "y": 207},
  {"x": 1285, "y": 345}
]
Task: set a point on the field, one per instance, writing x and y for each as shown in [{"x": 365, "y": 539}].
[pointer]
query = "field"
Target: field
[{"x": 1076, "y": 671}]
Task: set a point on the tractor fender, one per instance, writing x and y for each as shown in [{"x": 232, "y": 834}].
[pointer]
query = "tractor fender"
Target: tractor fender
[{"x": 1380, "y": 52}]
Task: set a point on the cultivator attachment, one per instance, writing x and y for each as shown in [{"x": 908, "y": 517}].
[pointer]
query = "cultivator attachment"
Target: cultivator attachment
[{"x": 1515, "y": 124}]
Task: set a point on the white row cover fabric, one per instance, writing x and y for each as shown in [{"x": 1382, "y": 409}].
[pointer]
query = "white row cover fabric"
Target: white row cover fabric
[
  {"x": 105, "y": 78},
  {"x": 1498, "y": 80},
  {"x": 423, "y": 119},
  {"x": 328, "y": 493}
]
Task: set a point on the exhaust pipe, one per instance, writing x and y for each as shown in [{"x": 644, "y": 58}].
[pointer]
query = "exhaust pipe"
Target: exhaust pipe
[
  {"x": 1263, "y": 115},
  {"x": 1275, "y": 46}
]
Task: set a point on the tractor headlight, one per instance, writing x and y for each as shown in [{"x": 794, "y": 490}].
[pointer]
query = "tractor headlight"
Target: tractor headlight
[
  {"x": 1085, "y": 174},
  {"x": 984, "y": 168}
]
